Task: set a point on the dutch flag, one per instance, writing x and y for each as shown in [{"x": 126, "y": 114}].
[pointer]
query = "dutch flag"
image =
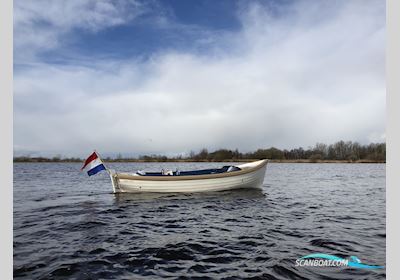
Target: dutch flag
[{"x": 94, "y": 164}]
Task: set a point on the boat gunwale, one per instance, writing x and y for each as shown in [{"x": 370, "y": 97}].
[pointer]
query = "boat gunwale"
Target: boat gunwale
[{"x": 125, "y": 176}]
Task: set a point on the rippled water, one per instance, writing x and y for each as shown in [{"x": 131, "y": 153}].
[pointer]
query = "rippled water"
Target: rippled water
[{"x": 70, "y": 226}]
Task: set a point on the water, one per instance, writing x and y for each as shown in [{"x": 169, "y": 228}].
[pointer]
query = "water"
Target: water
[{"x": 70, "y": 226}]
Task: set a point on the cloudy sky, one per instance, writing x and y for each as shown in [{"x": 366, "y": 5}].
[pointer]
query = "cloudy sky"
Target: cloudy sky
[{"x": 166, "y": 77}]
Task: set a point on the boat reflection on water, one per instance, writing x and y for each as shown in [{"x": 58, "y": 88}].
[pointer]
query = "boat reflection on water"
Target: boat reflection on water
[{"x": 122, "y": 198}]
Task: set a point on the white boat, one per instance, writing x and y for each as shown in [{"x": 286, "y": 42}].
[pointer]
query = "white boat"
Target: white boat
[{"x": 248, "y": 175}]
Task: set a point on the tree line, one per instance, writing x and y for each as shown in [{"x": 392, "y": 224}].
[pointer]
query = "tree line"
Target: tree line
[{"x": 340, "y": 151}]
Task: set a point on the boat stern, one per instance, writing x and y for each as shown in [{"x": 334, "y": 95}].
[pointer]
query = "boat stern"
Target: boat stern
[{"x": 114, "y": 180}]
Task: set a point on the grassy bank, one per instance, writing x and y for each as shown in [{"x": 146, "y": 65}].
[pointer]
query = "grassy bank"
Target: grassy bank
[
  {"x": 35, "y": 160},
  {"x": 339, "y": 152}
]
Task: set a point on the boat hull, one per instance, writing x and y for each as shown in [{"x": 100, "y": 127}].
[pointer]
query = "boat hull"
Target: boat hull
[{"x": 252, "y": 179}]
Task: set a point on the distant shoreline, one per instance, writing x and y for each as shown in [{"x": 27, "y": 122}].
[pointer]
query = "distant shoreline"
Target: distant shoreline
[
  {"x": 188, "y": 160},
  {"x": 339, "y": 152}
]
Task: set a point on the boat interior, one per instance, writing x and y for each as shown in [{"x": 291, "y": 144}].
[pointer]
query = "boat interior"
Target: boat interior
[{"x": 227, "y": 168}]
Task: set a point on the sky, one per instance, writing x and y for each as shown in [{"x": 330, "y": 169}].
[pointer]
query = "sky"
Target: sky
[{"x": 166, "y": 77}]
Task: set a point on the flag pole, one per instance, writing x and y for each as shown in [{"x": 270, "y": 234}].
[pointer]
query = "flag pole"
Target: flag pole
[{"x": 111, "y": 173}]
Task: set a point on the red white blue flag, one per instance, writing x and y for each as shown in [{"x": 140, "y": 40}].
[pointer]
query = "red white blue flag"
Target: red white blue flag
[{"x": 94, "y": 164}]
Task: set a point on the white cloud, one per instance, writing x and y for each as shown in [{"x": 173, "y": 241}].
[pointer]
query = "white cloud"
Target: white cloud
[
  {"x": 41, "y": 24},
  {"x": 317, "y": 75}
]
